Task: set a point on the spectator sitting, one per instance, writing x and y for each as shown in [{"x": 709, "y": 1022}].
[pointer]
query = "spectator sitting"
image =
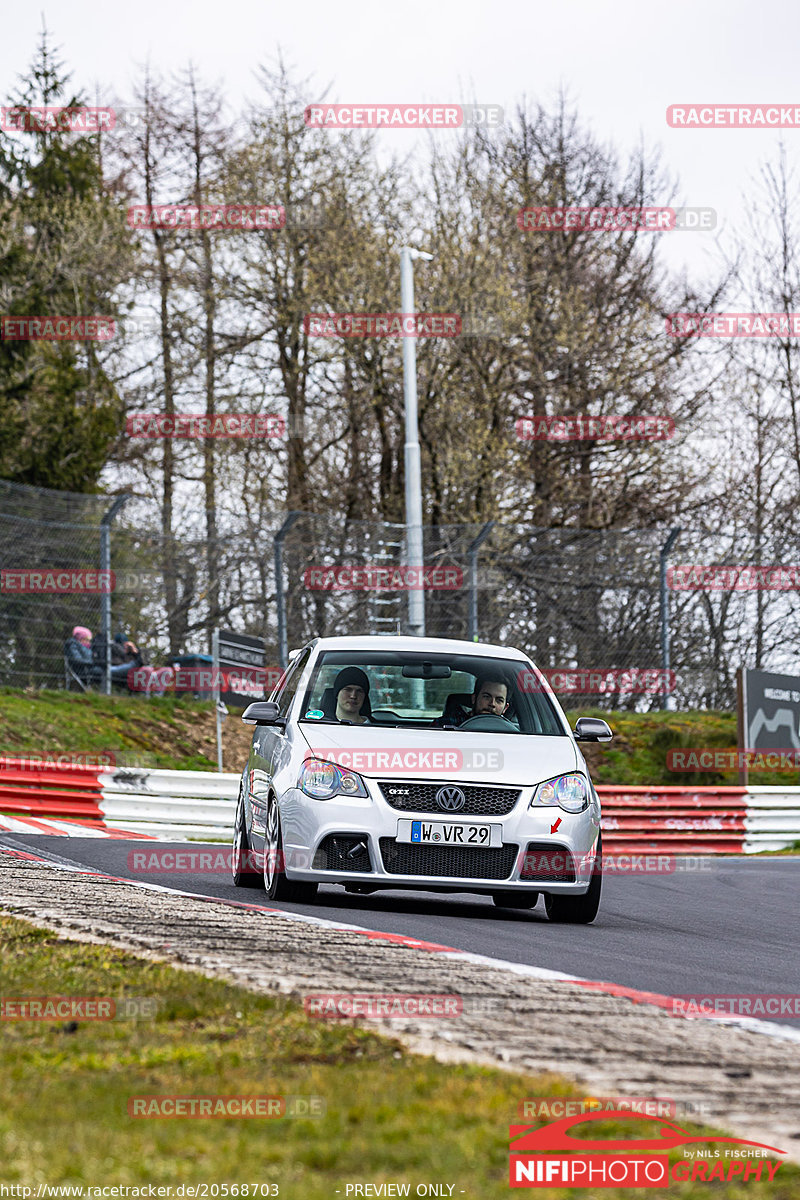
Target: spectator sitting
[
  {"x": 126, "y": 657},
  {"x": 78, "y": 653},
  {"x": 125, "y": 651}
]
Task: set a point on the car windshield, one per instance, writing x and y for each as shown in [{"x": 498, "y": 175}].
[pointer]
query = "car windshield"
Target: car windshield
[{"x": 423, "y": 690}]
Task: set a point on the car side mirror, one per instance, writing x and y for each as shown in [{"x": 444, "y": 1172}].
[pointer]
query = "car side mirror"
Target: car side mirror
[
  {"x": 263, "y": 712},
  {"x": 592, "y": 729}
]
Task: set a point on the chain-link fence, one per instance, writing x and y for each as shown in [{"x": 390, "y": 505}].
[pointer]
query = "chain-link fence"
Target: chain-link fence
[{"x": 587, "y": 605}]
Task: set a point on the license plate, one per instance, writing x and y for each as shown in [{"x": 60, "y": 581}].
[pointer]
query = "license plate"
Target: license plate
[{"x": 450, "y": 833}]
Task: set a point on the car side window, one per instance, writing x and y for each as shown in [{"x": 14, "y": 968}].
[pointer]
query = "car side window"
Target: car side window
[{"x": 289, "y": 690}]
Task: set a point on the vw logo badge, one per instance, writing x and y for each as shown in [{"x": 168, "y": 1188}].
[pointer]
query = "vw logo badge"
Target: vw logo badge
[{"x": 450, "y": 798}]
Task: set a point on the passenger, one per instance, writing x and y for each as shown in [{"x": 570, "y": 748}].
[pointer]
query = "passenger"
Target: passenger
[{"x": 351, "y": 691}]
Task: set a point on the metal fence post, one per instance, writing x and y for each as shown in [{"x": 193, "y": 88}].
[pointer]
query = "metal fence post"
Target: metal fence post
[
  {"x": 472, "y": 552},
  {"x": 105, "y": 594},
  {"x": 280, "y": 603},
  {"x": 667, "y": 701}
]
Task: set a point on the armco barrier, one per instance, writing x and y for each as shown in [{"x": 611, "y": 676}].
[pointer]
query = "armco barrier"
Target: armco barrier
[
  {"x": 164, "y": 804},
  {"x": 170, "y": 804},
  {"x": 702, "y": 820},
  {"x": 773, "y": 818},
  {"x": 177, "y": 805},
  {"x": 41, "y": 789}
]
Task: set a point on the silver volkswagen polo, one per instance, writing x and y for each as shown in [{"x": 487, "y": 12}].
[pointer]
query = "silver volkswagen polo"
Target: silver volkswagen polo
[{"x": 424, "y": 763}]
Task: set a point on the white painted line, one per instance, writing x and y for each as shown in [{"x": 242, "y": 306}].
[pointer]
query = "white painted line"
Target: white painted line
[{"x": 770, "y": 1029}]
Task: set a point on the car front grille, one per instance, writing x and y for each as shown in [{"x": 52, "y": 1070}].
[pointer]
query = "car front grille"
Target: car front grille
[
  {"x": 421, "y": 797},
  {"x": 457, "y": 862},
  {"x": 335, "y": 853},
  {"x": 545, "y": 863}
]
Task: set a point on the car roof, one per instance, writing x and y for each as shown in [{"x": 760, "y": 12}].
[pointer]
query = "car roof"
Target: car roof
[{"x": 419, "y": 644}]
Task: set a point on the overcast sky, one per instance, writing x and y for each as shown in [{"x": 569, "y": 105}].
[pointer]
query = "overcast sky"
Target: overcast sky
[{"x": 622, "y": 64}]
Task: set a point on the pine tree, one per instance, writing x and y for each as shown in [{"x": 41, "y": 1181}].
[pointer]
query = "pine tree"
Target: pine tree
[{"x": 63, "y": 247}]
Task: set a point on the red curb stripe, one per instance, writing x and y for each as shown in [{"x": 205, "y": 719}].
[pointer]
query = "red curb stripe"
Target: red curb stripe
[
  {"x": 628, "y": 993},
  {"x": 637, "y": 996}
]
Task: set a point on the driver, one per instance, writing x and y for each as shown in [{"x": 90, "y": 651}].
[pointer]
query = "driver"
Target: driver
[{"x": 490, "y": 698}]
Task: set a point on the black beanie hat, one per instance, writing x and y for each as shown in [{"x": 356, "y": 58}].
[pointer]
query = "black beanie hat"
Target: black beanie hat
[{"x": 350, "y": 677}]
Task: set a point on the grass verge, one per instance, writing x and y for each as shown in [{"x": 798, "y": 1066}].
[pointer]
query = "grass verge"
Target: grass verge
[
  {"x": 179, "y": 733},
  {"x": 391, "y": 1116},
  {"x": 168, "y": 732}
]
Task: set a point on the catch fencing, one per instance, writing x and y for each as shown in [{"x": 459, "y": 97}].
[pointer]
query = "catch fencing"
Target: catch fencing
[
  {"x": 200, "y": 805},
  {"x": 599, "y": 601}
]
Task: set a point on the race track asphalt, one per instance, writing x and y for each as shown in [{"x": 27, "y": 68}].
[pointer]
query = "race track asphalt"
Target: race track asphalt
[{"x": 730, "y": 928}]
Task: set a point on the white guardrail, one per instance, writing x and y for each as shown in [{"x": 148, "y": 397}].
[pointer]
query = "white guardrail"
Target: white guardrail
[
  {"x": 174, "y": 805},
  {"x": 772, "y": 821},
  {"x": 182, "y": 805}
]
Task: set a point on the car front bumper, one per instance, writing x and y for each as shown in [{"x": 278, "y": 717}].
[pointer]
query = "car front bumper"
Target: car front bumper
[{"x": 316, "y": 833}]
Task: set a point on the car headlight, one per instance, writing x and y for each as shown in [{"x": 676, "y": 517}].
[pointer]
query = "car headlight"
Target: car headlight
[
  {"x": 323, "y": 780},
  {"x": 570, "y": 792}
]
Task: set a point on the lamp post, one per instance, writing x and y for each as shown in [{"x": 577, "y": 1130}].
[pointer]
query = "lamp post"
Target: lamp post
[{"x": 414, "y": 545}]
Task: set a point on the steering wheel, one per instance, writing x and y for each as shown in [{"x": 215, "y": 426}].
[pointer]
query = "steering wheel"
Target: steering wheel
[{"x": 488, "y": 723}]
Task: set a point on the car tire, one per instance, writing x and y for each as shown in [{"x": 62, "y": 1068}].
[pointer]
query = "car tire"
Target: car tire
[
  {"x": 276, "y": 885},
  {"x": 515, "y": 899},
  {"x": 578, "y": 910},
  {"x": 242, "y": 855}
]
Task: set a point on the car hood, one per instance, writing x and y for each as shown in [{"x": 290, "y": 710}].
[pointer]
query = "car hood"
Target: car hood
[{"x": 376, "y": 752}]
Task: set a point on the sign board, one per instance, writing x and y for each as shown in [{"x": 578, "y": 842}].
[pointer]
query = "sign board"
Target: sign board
[
  {"x": 243, "y": 674},
  {"x": 769, "y": 711}
]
